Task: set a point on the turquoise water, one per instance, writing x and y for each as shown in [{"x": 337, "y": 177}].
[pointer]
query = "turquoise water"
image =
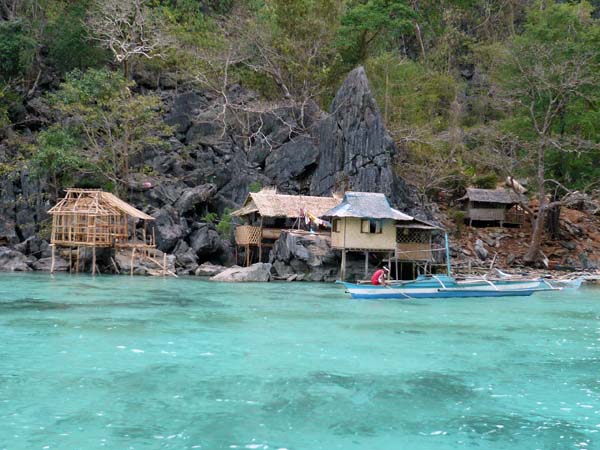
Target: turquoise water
[{"x": 151, "y": 363}]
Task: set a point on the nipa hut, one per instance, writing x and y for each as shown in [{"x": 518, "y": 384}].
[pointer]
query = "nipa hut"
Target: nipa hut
[
  {"x": 95, "y": 219},
  {"x": 493, "y": 205},
  {"x": 365, "y": 222},
  {"x": 266, "y": 213}
]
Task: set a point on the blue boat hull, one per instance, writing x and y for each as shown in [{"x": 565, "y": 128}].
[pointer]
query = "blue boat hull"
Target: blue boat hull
[
  {"x": 445, "y": 287},
  {"x": 444, "y": 294}
]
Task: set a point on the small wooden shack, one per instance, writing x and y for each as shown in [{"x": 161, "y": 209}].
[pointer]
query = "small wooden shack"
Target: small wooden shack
[
  {"x": 266, "y": 213},
  {"x": 365, "y": 222},
  {"x": 493, "y": 205},
  {"x": 96, "y": 219}
]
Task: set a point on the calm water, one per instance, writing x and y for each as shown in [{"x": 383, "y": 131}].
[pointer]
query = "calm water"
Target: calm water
[{"x": 150, "y": 363}]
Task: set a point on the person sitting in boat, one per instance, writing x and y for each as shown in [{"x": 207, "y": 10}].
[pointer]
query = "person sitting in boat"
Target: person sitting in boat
[{"x": 380, "y": 276}]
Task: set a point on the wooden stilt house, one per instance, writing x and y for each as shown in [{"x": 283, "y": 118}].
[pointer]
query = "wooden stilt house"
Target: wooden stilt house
[
  {"x": 266, "y": 213},
  {"x": 365, "y": 222},
  {"x": 92, "y": 218},
  {"x": 499, "y": 206}
]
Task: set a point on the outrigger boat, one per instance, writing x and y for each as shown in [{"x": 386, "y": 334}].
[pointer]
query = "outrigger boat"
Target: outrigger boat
[{"x": 446, "y": 286}]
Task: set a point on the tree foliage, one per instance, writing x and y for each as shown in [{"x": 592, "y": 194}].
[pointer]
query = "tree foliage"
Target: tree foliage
[{"x": 111, "y": 124}]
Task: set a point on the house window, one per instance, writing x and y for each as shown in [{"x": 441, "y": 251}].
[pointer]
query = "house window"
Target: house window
[
  {"x": 336, "y": 225},
  {"x": 371, "y": 226}
]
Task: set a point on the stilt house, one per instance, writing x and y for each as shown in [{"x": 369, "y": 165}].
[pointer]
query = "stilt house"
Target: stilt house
[
  {"x": 365, "y": 222},
  {"x": 266, "y": 213},
  {"x": 493, "y": 205},
  {"x": 95, "y": 219}
]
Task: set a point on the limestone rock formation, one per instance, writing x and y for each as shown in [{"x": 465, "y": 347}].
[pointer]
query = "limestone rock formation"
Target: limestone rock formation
[
  {"x": 255, "y": 272},
  {"x": 209, "y": 270},
  {"x": 45, "y": 264},
  {"x": 12, "y": 261},
  {"x": 356, "y": 151},
  {"x": 309, "y": 256}
]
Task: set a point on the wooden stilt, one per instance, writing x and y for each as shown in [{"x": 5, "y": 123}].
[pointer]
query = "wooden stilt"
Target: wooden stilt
[
  {"x": 366, "y": 264},
  {"x": 132, "y": 257},
  {"x": 164, "y": 264},
  {"x": 247, "y": 255},
  {"x": 94, "y": 261},
  {"x": 114, "y": 263},
  {"x": 77, "y": 261},
  {"x": 52, "y": 263},
  {"x": 70, "y": 259},
  {"x": 343, "y": 269}
]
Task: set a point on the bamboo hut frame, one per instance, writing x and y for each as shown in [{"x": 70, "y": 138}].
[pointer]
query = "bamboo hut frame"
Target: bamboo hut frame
[{"x": 94, "y": 219}]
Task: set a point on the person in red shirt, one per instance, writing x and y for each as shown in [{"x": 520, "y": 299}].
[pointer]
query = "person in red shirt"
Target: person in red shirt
[{"x": 379, "y": 277}]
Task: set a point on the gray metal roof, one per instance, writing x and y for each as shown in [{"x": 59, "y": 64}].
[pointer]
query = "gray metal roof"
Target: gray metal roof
[{"x": 366, "y": 205}]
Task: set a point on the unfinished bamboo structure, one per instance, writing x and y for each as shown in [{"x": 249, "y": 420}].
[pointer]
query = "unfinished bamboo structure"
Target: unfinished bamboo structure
[{"x": 92, "y": 218}]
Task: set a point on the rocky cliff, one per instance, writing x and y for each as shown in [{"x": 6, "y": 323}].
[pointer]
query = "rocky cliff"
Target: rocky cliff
[{"x": 212, "y": 160}]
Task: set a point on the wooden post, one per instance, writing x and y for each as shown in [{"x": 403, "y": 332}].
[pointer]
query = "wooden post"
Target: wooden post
[
  {"x": 70, "y": 259},
  {"x": 260, "y": 240},
  {"x": 366, "y": 265},
  {"x": 77, "y": 261},
  {"x": 343, "y": 269},
  {"x": 94, "y": 260},
  {"x": 164, "y": 264},
  {"x": 396, "y": 262},
  {"x": 52, "y": 263},
  {"x": 247, "y": 255},
  {"x": 132, "y": 256}
]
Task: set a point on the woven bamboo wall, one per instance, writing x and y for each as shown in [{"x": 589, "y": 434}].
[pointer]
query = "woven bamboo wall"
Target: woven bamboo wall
[{"x": 247, "y": 235}]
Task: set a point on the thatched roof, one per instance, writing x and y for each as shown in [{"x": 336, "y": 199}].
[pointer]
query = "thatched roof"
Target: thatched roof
[
  {"x": 366, "y": 205},
  {"x": 504, "y": 196},
  {"x": 95, "y": 202},
  {"x": 268, "y": 203}
]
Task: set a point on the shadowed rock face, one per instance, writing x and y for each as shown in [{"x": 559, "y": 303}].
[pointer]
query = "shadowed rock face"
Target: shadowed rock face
[{"x": 356, "y": 151}]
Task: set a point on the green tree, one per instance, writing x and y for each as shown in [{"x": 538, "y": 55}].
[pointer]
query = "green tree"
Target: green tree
[
  {"x": 55, "y": 156},
  {"x": 366, "y": 22},
  {"x": 550, "y": 76},
  {"x": 67, "y": 39},
  {"x": 112, "y": 124},
  {"x": 17, "y": 50}
]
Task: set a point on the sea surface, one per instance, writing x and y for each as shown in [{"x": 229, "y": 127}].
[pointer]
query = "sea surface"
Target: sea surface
[{"x": 152, "y": 363}]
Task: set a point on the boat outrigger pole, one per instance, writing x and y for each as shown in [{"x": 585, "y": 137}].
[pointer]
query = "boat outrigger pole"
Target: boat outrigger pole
[{"x": 447, "y": 254}]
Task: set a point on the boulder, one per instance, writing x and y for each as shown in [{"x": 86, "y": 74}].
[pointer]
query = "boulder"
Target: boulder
[
  {"x": 45, "y": 264},
  {"x": 12, "y": 261},
  {"x": 185, "y": 257},
  {"x": 291, "y": 160},
  {"x": 480, "y": 250},
  {"x": 209, "y": 270},
  {"x": 255, "y": 272},
  {"x": 356, "y": 152},
  {"x": 123, "y": 260},
  {"x": 307, "y": 255},
  {"x": 204, "y": 240},
  {"x": 169, "y": 228},
  {"x": 568, "y": 245},
  {"x": 192, "y": 197},
  {"x": 185, "y": 107}
]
